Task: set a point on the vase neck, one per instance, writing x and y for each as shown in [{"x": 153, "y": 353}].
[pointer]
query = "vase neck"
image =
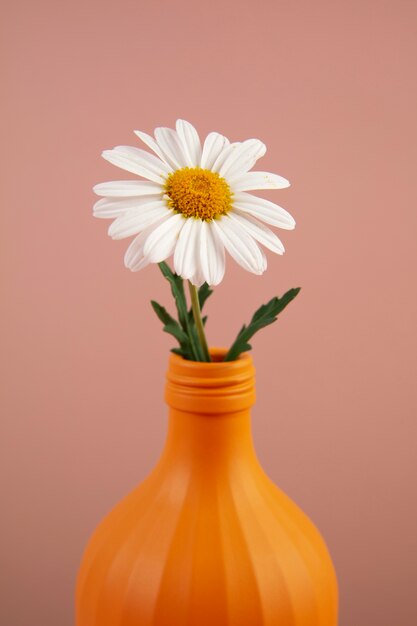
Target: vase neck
[
  {"x": 209, "y": 411},
  {"x": 209, "y": 441}
]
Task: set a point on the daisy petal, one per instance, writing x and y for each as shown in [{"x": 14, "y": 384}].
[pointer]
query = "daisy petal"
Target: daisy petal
[
  {"x": 225, "y": 154},
  {"x": 264, "y": 259},
  {"x": 197, "y": 278},
  {"x": 152, "y": 144},
  {"x": 212, "y": 254},
  {"x": 258, "y": 180},
  {"x": 186, "y": 250},
  {"x": 126, "y": 188},
  {"x": 190, "y": 142},
  {"x": 171, "y": 146},
  {"x": 258, "y": 231},
  {"x": 243, "y": 158},
  {"x": 110, "y": 207},
  {"x": 161, "y": 242},
  {"x": 240, "y": 245},
  {"x": 138, "y": 162},
  {"x": 264, "y": 210},
  {"x": 213, "y": 146},
  {"x": 134, "y": 256},
  {"x": 135, "y": 221}
]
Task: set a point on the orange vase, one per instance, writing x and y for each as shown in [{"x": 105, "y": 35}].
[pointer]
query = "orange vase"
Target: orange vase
[{"x": 207, "y": 539}]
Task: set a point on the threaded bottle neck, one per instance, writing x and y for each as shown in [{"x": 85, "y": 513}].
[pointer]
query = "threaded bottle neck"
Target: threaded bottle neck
[{"x": 211, "y": 388}]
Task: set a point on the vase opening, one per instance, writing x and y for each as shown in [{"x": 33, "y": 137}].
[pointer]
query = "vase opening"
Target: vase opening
[{"x": 216, "y": 387}]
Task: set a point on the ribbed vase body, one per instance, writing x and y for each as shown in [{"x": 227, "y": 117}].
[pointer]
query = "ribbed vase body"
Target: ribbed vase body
[{"x": 207, "y": 539}]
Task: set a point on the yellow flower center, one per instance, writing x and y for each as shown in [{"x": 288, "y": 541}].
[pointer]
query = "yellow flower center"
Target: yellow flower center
[{"x": 200, "y": 193}]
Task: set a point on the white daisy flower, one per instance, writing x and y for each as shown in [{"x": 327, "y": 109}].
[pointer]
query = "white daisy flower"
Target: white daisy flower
[{"x": 194, "y": 203}]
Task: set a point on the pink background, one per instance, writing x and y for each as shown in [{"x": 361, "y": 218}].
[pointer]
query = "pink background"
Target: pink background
[{"x": 330, "y": 86}]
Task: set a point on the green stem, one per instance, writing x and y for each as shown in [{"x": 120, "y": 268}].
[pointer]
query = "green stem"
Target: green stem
[{"x": 195, "y": 304}]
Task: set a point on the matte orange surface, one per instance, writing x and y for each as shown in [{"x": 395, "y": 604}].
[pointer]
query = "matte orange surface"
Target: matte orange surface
[
  {"x": 331, "y": 89},
  {"x": 207, "y": 539}
]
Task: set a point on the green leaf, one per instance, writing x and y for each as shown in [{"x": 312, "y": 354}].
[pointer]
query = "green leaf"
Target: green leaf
[
  {"x": 162, "y": 313},
  {"x": 180, "y": 353},
  {"x": 172, "y": 327},
  {"x": 177, "y": 290},
  {"x": 176, "y": 331},
  {"x": 265, "y": 315},
  {"x": 203, "y": 293}
]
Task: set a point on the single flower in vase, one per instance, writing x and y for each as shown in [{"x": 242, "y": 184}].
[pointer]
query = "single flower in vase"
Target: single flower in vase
[
  {"x": 195, "y": 205},
  {"x": 207, "y": 538}
]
